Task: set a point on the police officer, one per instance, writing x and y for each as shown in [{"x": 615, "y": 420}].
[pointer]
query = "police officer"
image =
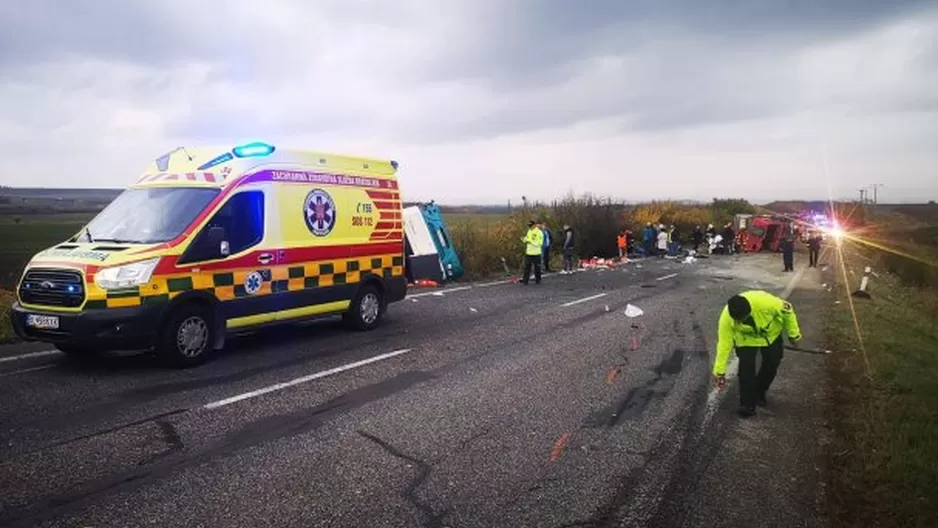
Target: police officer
[
  {"x": 533, "y": 252},
  {"x": 814, "y": 248},
  {"x": 753, "y": 322}
]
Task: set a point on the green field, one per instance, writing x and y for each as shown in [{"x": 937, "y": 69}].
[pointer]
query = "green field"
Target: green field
[{"x": 30, "y": 235}]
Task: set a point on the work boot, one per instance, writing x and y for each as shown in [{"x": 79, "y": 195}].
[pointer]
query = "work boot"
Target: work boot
[{"x": 746, "y": 411}]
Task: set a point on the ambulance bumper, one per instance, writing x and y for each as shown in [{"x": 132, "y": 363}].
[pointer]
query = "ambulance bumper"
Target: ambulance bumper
[{"x": 132, "y": 328}]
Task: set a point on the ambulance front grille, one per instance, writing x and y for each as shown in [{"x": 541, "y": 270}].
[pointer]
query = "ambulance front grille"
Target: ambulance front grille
[{"x": 52, "y": 287}]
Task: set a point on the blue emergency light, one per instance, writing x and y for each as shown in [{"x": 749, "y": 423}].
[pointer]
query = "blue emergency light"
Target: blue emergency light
[
  {"x": 252, "y": 150},
  {"x": 218, "y": 160}
]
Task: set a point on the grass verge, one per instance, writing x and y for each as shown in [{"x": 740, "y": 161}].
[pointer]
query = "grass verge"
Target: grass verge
[
  {"x": 883, "y": 406},
  {"x": 6, "y": 327}
]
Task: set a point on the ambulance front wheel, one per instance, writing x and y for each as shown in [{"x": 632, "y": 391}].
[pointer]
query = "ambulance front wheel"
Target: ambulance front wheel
[
  {"x": 366, "y": 309},
  {"x": 187, "y": 338}
]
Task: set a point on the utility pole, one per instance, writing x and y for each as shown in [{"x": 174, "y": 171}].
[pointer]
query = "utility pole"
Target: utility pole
[
  {"x": 876, "y": 187},
  {"x": 862, "y": 192}
]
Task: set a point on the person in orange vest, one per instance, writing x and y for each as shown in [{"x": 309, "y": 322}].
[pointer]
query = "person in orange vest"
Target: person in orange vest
[{"x": 621, "y": 244}]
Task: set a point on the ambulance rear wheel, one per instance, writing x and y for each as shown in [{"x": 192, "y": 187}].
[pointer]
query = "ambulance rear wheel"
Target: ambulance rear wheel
[
  {"x": 187, "y": 338},
  {"x": 366, "y": 309}
]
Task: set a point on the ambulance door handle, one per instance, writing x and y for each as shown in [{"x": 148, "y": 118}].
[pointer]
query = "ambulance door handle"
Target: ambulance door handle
[{"x": 265, "y": 258}]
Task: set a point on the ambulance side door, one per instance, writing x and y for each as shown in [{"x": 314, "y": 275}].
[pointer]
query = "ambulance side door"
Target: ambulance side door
[
  {"x": 231, "y": 257},
  {"x": 312, "y": 260}
]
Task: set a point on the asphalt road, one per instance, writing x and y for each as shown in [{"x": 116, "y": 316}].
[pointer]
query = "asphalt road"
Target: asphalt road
[{"x": 491, "y": 405}]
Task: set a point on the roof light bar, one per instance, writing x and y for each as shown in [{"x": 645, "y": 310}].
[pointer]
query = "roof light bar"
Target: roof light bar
[
  {"x": 252, "y": 150},
  {"x": 218, "y": 160}
]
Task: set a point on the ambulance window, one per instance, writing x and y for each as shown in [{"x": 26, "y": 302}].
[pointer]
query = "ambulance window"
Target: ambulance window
[{"x": 242, "y": 218}]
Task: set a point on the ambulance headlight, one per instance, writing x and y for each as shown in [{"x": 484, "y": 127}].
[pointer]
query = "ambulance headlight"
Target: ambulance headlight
[{"x": 126, "y": 276}]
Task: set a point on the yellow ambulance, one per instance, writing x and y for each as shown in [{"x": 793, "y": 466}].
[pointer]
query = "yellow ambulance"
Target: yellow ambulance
[{"x": 211, "y": 241}]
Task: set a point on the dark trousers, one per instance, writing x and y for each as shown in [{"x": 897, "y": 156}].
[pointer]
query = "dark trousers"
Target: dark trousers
[
  {"x": 649, "y": 248},
  {"x": 812, "y": 256},
  {"x": 752, "y": 385},
  {"x": 529, "y": 262},
  {"x": 789, "y": 260},
  {"x": 568, "y": 259},
  {"x": 546, "y": 256}
]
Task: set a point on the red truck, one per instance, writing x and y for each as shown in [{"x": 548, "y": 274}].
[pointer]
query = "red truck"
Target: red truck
[{"x": 762, "y": 232}]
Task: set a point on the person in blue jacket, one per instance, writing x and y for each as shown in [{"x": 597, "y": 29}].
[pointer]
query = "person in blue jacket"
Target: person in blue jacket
[
  {"x": 648, "y": 239},
  {"x": 546, "y": 246}
]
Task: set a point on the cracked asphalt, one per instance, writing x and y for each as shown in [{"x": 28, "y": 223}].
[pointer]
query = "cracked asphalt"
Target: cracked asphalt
[{"x": 505, "y": 405}]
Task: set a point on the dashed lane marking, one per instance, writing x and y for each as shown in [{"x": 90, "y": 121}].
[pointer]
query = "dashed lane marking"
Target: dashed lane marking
[
  {"x": 304, "y": 379},
  {"x": 31, "y": 355},
  {"x": 24, "y": 371},
  {"x": 578, "y": 301},
  {"x": 666, "y": 277},
  {"x": 438, "y": 293}
]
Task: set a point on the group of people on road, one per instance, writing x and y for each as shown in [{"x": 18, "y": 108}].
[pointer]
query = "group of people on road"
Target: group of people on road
[
  {"x": 657, "y": 240},
  {"x": 814, "y": 241},
  {"x": 751, "y": 322},
  {"x": 537, "y": 243},
  {"x": 660, "y": 240}
]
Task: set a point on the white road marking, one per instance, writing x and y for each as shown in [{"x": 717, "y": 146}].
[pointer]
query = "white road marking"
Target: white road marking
[
  {"x": 496, "y": 283},
  {"x": 24, "y": 371},
  {"x": 667, "y": 277},
  {"x": 304, "y": 379},
  {"x": 29, "y": 356},
  {"x": 732, "y": 368},
  {"x": 438, "y": 293},
  {"x": 578, "y": 301}
]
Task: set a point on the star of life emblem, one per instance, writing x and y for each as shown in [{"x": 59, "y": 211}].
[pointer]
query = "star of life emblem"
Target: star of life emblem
[{"x": 319, "y": 212}]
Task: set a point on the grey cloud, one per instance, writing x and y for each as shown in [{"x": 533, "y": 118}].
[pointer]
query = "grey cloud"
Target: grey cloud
[
  {"x": 539, "y": 37},
  {"x": 517, "y": 51}
]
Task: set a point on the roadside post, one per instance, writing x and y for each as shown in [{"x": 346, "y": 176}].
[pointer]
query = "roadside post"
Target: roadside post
[{"x": 864, "y": 282}]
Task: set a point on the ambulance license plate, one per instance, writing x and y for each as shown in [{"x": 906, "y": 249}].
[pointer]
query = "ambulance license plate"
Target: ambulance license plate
[{"x": 43, "y": 322}]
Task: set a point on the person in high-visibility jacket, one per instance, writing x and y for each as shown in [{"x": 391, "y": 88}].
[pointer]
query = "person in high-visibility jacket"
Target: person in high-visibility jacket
[
  {"x": 753, "y": 322},
  {"x": 533, "y": 252}
]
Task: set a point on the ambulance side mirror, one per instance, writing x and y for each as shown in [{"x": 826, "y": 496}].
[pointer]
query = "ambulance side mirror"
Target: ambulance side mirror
[{"x": 218, "y": 239}]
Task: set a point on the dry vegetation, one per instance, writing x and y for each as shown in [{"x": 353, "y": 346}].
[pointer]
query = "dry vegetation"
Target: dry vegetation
[{"x": 484, "y": 240}]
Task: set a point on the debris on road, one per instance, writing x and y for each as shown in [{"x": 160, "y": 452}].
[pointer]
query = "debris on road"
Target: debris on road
[
  {"x": 558, "y": 447},
  {"x": 473, "y": 310},
  {"x": 633, "y": 311},
  {"x": 690, "y": 260},
  {"x": 607, "y": 307}
]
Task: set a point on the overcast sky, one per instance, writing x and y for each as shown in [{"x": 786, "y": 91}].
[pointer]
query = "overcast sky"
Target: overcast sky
[{"x": 482, "y": 101}]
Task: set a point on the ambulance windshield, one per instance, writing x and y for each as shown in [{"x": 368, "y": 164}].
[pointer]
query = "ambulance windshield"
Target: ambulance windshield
[{"x": 147, "y": 215}]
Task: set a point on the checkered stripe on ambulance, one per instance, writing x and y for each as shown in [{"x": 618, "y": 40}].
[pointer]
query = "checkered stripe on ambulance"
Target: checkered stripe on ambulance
[{"x": 213, "y": 240}]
